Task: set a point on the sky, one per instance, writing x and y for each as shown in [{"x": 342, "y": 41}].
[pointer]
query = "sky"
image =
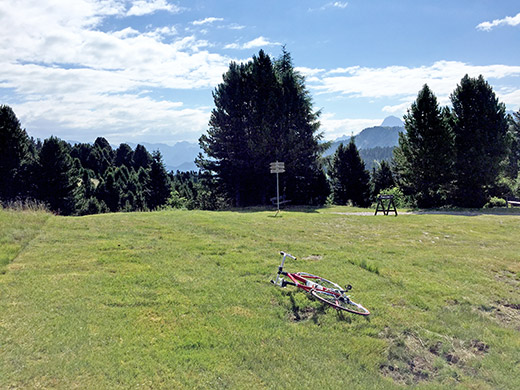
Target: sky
[{"x": 144, "y": 70}]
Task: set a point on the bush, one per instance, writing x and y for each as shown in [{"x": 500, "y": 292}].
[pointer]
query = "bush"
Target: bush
[
  {"x": 495, "y": 202},
  {"x": 400, "y": 200}
]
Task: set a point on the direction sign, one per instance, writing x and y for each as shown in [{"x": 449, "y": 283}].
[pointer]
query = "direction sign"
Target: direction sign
[{"x": 277, "y": 167}]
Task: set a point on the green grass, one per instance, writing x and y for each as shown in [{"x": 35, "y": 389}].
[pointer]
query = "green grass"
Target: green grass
[{"x": 182, "y": 299}]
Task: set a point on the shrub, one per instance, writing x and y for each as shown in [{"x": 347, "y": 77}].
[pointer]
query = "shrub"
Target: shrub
[
  {"x": 400, "y": 200},
  {"x": 495, "y": 202}
]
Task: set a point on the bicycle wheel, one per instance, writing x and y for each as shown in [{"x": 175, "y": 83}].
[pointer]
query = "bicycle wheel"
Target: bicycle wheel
[{"x": 340, "y": 302}]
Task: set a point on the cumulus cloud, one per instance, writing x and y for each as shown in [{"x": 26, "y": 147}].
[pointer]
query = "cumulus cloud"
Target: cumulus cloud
[
  {"x": 402, "y": 83},
  {"x": 257, "y": 42},
  {"x": 60, "y": 68},
  {"x": 507, "y": 21}
]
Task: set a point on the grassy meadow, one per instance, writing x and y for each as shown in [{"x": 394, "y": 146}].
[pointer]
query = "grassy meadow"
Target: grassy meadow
[{"x": 182, "y": 299}]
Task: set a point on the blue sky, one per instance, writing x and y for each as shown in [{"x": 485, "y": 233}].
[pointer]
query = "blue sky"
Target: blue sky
[{"x": 144, "y": 70}]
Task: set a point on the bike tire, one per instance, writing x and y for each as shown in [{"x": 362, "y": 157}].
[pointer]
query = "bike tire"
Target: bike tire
[{"x": 340, "y": 303}]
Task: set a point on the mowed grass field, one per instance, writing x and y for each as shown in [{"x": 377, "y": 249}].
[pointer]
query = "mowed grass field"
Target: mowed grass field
[{"x": 182, "y": 299}]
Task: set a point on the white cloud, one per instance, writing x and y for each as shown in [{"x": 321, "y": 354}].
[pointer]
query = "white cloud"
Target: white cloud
[
  {"x": 507, "y": 21},
  {"x": 207, "y": 21},
  {"x": 334, "y": 4},
  {"x": 257, "y": 42},
  {"x": 58, "y": 68},
  {"x": 402, "y": 83},
  {"x": 340, "y": 4},
  {"x": 144, "y": 7}
]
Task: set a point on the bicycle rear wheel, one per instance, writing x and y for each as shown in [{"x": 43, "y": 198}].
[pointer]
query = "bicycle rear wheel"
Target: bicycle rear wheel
[{"x": 340, "y": 302}]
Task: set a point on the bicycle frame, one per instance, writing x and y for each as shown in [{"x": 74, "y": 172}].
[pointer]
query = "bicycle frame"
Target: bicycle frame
[
  {"x": 302, "y": 280},
  {"x": 319, "y": 288}
]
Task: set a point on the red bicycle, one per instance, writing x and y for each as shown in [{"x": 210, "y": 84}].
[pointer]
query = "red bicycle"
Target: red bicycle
[{"x": 322, "y": 289}]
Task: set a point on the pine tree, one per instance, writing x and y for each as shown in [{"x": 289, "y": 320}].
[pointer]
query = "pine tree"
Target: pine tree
[
  {"x": 159, "y": 186},
  {"x": 382, "y": 178},
  {"x": 480, "y": 129},
  {"x": 513, "y": 162},
  {"x": 141, "y": 158},
  {"x": 425, "y": 155},
  {"x": 109, "y": 190},
  {"x": 14, "y": 156},
  {"x": 101, "y": 157},
  {"x": 350, "y": 181},
  {"x": 58, "y": 183},
  {"x": 124, "y": 156},
  {"x": 263, "y": 113}
]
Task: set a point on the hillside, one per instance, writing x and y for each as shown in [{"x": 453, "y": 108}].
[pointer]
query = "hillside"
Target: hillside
[{"x": 180, "y": 299}]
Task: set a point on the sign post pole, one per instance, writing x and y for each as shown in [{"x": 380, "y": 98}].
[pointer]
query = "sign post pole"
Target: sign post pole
[{"x": 277, "y": 167}]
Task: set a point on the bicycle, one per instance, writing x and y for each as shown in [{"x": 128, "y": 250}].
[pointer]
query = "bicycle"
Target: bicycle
[{"x": 322, "y": 289}]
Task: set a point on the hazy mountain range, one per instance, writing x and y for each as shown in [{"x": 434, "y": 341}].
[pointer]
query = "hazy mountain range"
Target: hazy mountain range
[{"x": 181, "y": 156}]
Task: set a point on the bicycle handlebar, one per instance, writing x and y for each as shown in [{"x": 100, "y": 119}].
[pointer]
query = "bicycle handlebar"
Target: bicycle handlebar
[{"x": 285, "y": 254}]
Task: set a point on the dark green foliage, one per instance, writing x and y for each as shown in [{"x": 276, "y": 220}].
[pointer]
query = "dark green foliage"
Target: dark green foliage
[
  {"x": 373, "y": 156},
  {"x": 382, "y": 178},
  {"x": 124, "y": 156},
  {"x": 15, "y": 156},
  {"x": 109, "y": 190},
  {"x": 58, "y": 182},
  {"x": 187, "y": 186},
  {"x": 513, "y": 163},
  {"x": 141, "y": 158},
  {"x": 349, "y": 178},
  {"x": 480, "y": 129},
  {"x": 425, "y": 155},
  {"x": 159, "y": 186},
  {"x": 263, "y": 113}
]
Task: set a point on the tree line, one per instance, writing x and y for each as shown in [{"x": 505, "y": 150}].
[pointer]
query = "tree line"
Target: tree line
[
  {"x": 460, "y": 156},
  {"x": 80, "y": 179}
]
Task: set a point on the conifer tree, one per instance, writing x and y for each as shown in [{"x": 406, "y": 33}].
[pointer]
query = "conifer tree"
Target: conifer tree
[
  {"x": 425, "y": 155},
  {"x": 14, "y": 155},
  {"x": 124, "y": 155},
  {"x": 263, "y": 113},
  {"x": 58, "y": 184},
  {"x": 382, "y": 178},
  {"x": 513, "y": 163},
  {"x": 109, "y": 190},
  {"x": 141, "y": 158},
  {"x": 480, "y": 129},
  {"x": 350, "y": 181},
  {"x": 159, "y": 186}
]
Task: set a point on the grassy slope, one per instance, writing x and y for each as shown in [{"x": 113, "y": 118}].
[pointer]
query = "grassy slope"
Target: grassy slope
[{"x": 182, "y": 299}]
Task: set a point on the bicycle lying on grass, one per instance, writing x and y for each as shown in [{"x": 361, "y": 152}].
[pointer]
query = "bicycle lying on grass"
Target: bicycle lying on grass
[{"x": 322, "y": 289}]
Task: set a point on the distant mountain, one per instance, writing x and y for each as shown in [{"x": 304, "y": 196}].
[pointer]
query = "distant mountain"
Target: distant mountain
[
  {"x": 180, "y": 156},
  {"x": 371, "y": 137},
  {"x": 374, "y": 143},
  {"x": 392, "y": 121}
]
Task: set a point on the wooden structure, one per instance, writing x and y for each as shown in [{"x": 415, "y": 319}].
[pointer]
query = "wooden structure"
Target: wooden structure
[{"x": 390, "y": 207}]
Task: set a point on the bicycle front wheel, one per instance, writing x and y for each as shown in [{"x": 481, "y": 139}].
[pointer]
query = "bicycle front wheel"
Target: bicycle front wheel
[{"x": 340, "y": 302}]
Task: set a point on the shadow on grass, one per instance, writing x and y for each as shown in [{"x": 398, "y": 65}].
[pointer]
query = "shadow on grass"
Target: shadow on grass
[{"x": 286, "y": 209}]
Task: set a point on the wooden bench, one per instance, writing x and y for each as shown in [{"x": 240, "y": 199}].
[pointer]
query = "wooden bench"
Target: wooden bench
[
  {"x": 283, "y": 201},
  {"x": 512, "y": 202}
]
